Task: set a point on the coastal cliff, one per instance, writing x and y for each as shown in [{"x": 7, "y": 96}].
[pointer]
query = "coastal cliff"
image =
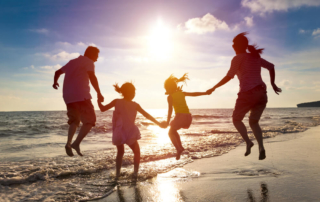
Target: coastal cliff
[{"x": 309, "y": 104}]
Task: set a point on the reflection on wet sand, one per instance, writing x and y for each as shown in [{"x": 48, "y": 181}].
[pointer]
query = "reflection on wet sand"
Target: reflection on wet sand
[
  {"x": 159, "y": 190},
  {"x": 263, "y": 191}
]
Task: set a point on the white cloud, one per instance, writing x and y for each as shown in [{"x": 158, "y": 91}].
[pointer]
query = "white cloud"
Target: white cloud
[
  {"x": 81, "y": 44},
  {"x": 62, "y": 56},
  {"x": 316, "y": 32},
  {"x": 31, "y": 67},
  {"x": 268, "y": 6},
  {"x": 302, "y": 31},
  {"x": 40, "y": 31},
  {"x": 208, "y": 23},
  {"x": 249, "y": 21},
  {"x": 54, "y": 67}
]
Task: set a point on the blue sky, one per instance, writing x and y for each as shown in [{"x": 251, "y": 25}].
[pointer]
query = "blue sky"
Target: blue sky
[{"x": 146, "y": 41}]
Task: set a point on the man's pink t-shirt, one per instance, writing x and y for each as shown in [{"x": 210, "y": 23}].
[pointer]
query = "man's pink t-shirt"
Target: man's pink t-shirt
[
  {"x": 76, "y": 81},
  {"x": 248, "y": 70}
]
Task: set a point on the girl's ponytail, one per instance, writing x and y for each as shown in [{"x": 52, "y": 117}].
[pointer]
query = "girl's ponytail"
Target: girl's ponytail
[
  {"x": 253, "y": 49},
  {"x": 117, "y": 88},
  {"x": 183, "y": 78}
]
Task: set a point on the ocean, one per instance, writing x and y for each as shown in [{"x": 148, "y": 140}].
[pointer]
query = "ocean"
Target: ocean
[{"x": 34, "y": 166}]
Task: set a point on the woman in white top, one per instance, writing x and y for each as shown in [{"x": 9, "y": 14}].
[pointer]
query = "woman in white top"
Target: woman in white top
[
  {"x": 124, "y": 130},
  {"x": 253, "y": 94}
]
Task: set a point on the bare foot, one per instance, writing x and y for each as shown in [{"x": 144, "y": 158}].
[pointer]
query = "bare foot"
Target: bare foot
[
  {"x": 179, "y": 152},
  {"x": 248, "y": 149},
  {"x": 68, "y": 150},
  {"x": 262, "y": 154},
  {"x": 77, "y": 148}
]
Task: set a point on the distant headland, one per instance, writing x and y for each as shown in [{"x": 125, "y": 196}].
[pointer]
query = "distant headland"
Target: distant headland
[{"x": 309, "y": 104}]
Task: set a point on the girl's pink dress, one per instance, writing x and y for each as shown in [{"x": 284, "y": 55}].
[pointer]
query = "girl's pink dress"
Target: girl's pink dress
[{"x": 123, "y": 121}]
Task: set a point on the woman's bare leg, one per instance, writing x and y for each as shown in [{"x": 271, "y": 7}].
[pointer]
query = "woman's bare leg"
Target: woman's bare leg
[
  {"x": 254, "y": 125},
  {"x": 244, "y": 134}
]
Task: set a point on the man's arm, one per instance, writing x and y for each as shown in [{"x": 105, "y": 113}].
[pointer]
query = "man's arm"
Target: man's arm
[
  {"x": 223, "y": 81},
  {"x": 57, "y": 74},
  {"x": 95, "y": 84}
]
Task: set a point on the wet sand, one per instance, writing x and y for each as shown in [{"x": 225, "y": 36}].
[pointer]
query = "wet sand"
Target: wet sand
[{"x": 291, "y": 172}]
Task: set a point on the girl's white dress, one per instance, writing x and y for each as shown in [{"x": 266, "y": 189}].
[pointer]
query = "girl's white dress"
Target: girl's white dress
[{"x": 123, "y": 127}]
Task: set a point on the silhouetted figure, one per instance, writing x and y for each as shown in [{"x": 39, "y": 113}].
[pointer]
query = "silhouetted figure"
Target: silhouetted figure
[
  {"x": 124, "y": 130},
  {"x": 183, "y": 118},
  {"x": 76, "y": 94},
  {"x": 253, "y": 94}
]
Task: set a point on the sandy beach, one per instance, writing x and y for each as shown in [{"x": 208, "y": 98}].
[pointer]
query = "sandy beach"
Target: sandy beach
[{"x": 289, "y": 173}]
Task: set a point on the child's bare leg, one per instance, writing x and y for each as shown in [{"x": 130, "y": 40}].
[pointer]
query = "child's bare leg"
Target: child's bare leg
[
  {"x": 72, "y": 130},
  {"x": 120, "y": 153},
  {"x": 254, "y": 125},
  {"x": 175, "y": 139},
  {"x": 243, "y": 132},
  {"x": 136, "y": 151},
  {"x": 84, "y": 130}
]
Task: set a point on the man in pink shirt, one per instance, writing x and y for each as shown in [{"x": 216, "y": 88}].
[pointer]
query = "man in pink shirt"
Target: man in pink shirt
[{"x": 76, "y": 94}]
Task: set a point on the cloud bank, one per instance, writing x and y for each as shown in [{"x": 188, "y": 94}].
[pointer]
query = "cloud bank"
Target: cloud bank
[
  {"x": 268, "y": 6},
  {"x": 208, "y": 23}
]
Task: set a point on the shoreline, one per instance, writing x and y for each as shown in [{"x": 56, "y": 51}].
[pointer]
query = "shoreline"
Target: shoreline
[{"x": 289, "y": 173}]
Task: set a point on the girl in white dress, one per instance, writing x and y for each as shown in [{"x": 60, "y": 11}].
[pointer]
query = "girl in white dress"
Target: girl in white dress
[{"x": 124, "y": 130}]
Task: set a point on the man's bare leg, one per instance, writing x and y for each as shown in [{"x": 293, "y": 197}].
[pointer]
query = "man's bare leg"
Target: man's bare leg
[
  {"x": 241, "y": 128},
  {"x": 72, "y": 130},
  {"x": 84, "y": 130}
]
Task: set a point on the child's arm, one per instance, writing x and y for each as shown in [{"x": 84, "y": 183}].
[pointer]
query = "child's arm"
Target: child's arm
[
  {"x": 194, "y": 94},
  {"x": 170, "y": 100},
  {"x": 148, "y": 116},
  {"x": 108, "y": 106}
]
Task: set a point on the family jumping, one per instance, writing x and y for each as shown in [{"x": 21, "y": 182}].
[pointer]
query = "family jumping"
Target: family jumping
[{"x": 80, "y": 72}]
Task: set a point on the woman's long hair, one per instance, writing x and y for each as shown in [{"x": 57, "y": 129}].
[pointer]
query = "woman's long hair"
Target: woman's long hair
[{"x": 242, "y": 42}]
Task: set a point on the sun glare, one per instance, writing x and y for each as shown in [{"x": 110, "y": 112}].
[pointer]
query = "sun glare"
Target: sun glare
[
  {"x": 161, "y": 134},
  {"x": 160, "y": 42}
]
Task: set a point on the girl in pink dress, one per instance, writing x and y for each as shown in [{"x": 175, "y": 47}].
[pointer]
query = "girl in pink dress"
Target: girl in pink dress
[{"x": 124, "y": 130}]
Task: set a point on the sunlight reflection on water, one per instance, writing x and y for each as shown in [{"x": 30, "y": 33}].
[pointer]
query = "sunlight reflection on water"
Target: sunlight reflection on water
[{"x": 160, "y": 134}]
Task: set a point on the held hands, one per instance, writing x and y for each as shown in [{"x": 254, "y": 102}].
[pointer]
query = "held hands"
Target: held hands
[
  {"x": 276, "y": 89},
  {"x": 100, "y": 98},
  {"x": 210, "y": 91},
  {"x": 163, "y": 124},
  {"x": 55, "y": 86}
]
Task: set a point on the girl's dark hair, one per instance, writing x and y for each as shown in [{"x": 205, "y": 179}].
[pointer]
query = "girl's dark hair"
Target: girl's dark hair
[
  {"x": 242, "y": 42},
  {"x": 171, "y": 83},
  {"x": 126, "y": 89}
]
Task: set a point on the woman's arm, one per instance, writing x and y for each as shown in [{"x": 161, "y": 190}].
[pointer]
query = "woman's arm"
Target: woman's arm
[
  {"x": 223, "y": 81},
  {"x": 194, "y": 94},
  {"x": 170, "y": 100},
  {"x": 148, "y": 116},
  {"x": 272, "y": 79},
  {"x": 108, "y": 106}
]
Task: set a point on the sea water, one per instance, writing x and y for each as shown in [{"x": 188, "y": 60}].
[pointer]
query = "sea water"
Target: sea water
[{"x": 34, "y": 166}]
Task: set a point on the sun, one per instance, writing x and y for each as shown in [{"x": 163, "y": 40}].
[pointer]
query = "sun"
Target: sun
[{"x": 160, "y": 42}]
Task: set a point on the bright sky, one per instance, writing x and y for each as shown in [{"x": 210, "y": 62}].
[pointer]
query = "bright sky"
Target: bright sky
[{"x": 145, "y": 41}]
